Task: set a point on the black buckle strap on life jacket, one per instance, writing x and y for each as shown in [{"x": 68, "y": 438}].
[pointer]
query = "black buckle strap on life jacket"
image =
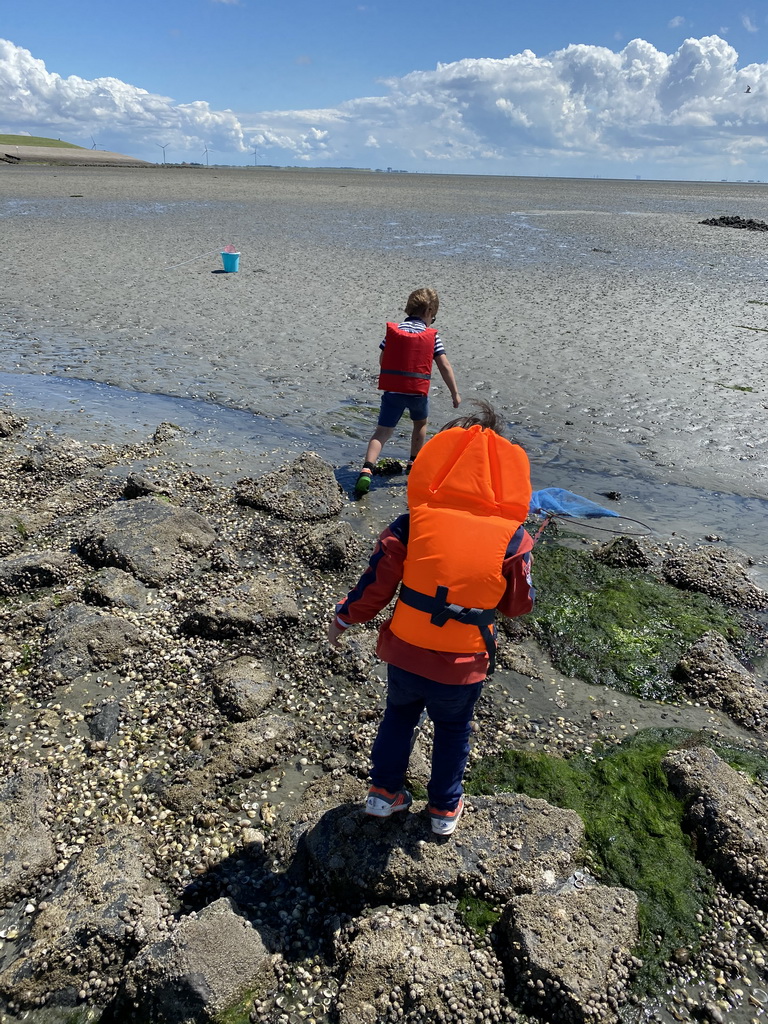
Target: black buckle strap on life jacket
[
  {"x": 407, "y": 373},
  {"x": 440, "y": 611}
]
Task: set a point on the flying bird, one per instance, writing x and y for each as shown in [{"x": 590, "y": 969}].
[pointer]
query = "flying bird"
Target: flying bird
[{"x": 748, "y": 89}]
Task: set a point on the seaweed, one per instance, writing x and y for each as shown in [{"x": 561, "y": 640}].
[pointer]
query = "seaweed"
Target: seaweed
[
  {"x": 239, "y": 1013},
  {"x": 750, "y": 762},
  {"x": 417, "y": 790},
  {"x": 619, "y": 627},
  {"x": 633, "y": 832},
  {"x": 477, "y": 914}
]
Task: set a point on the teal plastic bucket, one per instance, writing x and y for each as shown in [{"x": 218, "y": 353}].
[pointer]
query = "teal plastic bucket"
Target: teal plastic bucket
[{"x": 231, "y": 261}]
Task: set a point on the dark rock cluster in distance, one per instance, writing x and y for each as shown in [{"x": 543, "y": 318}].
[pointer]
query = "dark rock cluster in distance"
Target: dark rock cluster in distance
[{"x": 736, "y": 222}]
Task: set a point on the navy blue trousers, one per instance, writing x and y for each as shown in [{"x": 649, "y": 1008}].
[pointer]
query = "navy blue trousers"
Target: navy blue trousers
[{"x": 450, "y": 708}]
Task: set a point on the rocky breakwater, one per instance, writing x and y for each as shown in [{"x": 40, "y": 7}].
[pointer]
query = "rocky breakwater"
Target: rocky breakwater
[{"x": 182, "y": 762}]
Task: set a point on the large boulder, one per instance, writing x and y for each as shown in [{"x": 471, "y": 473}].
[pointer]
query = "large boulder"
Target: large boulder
[
  {"x": 255, "y": 606},
  {"x": 138, "y": 486},
  {"x": 14, "y": 529},
  {"x": 330, "y": 546},
  {"x": 711, "y": 674},
  {"x": 40, "y": 612},
  {"x": 504, "y": 845},
  {"x": 625, "y": 553},
  {"x": 323, "y": 795},
  {"x": 205, "y": 966},
  {"x": 22, "y": 573},
  {"x": 10, "y": 423},
  {"x": 101, "y": 909},
  {"x": 243, "y": 687},
  {"x": 569, "y": 952},
  {"x": 744, "y": 223},
  {"x": 79, "y": 639},
  {"x": 398, "y": 961},
  {"x": 716, "y": 573},
  {"x": 114, "y": 588},
  {"x": 26, "y": 844},
  {"x": 244, "y": 749},
  {"x": 727, "y": 814},
  {"x": 53, "y": 459},
  {"x": 147, "y": 537},
  {"x": 305, "y": 489},
  {"x": 251, "y": 746}
]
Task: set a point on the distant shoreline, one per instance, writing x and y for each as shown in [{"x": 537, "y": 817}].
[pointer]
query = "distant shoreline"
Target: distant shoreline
[{"x": 74, "y": 156}]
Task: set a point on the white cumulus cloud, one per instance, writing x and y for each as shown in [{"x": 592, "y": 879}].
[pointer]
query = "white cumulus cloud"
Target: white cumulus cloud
[
  {"x": 582, "y": 109},
  {"x": 577, "y": 107},
  {"x": 122, "y": 117}
]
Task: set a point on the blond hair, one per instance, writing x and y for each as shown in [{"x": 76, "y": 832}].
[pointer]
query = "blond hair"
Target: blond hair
[{"x": 422, "y": 302}]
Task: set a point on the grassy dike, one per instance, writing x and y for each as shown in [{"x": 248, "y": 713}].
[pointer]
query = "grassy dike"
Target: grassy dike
[
  {"x": 625, "y": 629},
  {"x": 35, "y": 140}
]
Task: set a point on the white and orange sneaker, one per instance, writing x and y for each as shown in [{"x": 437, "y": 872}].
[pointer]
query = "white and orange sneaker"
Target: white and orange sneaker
[
  {"x": 444, "y": 822},
  {"x": 381, "y": 803}
]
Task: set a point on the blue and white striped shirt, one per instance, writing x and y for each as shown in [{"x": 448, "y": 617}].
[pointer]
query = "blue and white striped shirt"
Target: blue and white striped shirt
[{"x": 415, "y": 325}]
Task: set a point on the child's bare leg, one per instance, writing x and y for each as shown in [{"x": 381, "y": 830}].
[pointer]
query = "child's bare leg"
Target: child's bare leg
[
  {"x": 379, "y": 438},
  {"x": 418, "y": 437}
]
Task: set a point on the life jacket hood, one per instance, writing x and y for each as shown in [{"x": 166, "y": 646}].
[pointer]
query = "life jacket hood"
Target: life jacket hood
[
  {"x": 468, "y": 494},
  {"x": 473, "y": 470}
]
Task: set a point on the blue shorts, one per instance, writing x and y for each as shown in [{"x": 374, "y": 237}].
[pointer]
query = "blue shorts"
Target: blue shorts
[{"x": 393, "y": 405}]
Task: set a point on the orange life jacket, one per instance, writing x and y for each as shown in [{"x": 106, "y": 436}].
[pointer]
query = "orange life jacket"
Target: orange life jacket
[
  {"x": 406, "y": 360},
  {"x": 468, "y": 493}
]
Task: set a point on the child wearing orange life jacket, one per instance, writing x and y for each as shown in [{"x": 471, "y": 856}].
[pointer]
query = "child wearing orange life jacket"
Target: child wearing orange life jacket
[
  {"x": 457, "y": 556},
  {"x": 406, "y": 357}
]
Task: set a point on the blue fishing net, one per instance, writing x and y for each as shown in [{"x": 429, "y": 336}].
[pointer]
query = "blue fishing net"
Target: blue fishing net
[{"x": 557, "y": 501}]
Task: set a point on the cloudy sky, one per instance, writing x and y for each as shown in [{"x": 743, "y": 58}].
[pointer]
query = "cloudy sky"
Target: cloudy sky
[{"x": 663, "y": 89}]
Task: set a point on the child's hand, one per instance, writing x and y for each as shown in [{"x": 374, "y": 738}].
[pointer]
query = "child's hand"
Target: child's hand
[
  {"x": 334, "y": 633},
  {"x": 456, "y": 400}
]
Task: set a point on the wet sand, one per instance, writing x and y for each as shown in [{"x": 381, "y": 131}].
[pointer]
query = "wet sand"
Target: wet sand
[{"x": 616, "y": 332}]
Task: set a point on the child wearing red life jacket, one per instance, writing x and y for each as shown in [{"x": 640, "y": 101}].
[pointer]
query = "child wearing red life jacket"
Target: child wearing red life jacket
[
  {"x": 457, "y": 556},
  {"x": 406, "y": 357}
]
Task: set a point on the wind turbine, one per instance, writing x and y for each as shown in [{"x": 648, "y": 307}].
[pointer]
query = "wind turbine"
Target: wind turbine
[
  {"x": 205, "y": 154},
  {"x": 163, "y": 148},
  {"x": 94, "y": 143},
  {"x": 255, "y": 158}
]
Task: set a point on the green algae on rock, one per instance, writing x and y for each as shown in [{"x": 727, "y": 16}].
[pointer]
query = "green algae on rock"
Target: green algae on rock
[
  {"x": 477, "y": 914},
  {"x": 632, "y": 831},
  {"x": 751, "y": 762},
  {"x": 621, "y": 628}
]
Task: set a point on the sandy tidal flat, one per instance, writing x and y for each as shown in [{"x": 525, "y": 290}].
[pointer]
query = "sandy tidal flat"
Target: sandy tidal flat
[{"x": 619, "y": 334}]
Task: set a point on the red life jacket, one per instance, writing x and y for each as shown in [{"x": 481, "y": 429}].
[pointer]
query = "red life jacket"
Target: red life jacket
[
  {"x": 406, "y": 361},
  {"x": 468, "y": 493}
]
